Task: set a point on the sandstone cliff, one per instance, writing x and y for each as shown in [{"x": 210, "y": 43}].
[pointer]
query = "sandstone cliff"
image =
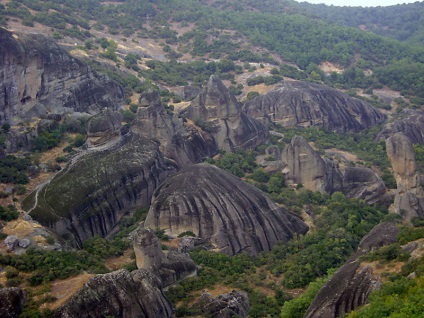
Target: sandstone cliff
[
  {"x": 233, "y": 215},
  {"x": 410, "y": 123},
  {"x": 218, "y": 109},
  {"x": 171, "y": 268},
  {"x": 304, "y": 104},
  {"x": 303, "y": 165},
  {"x": 91, "y": 195},
  {"x": 38, "y": 77},
  {"x": 409, "y": 197},
  {"x": 179, "y": 140},
  {"x": 351, "y": 285},
  {"x": 119, "y": 294}
]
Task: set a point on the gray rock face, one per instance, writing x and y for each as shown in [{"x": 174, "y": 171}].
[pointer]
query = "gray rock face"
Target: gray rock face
[
  {"x": 351, "y": 285},
  {"x": 220, "y": 111},
  {"x": 90, "y": 196},
  {"x": 183, "y": 143},
  {"x": 409, "y": 197},
  {"x": 11, "y": 242},
  {"x": 304, "y": 104},
  {"x": 305, "y": 166},
  {"x": 103, "y": 127},
  {"x": 12, "y": 300},
  {"x": 119, "y": 294},
  {"x": 171, "y": 268},
  {"x": 37, "y": 76},
  {"x": 233, "y": 215},
  {"x": 410, "y": 123},
  {"x": 233, "y": 304}
]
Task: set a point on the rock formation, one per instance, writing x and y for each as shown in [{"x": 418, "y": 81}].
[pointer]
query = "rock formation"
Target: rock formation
[
  {"x": 409, "y": 197},
  {"x": 171, "y": 268},
  {"x": 410, "y": 123},
  {"x": 178, "y": 139},
  {"x": 304, "y": 104},
  {"x": 103, "y": 127},
  {"x": 12, "y": 300},
  {"x": 351, "y": 285},
  {"x": 91, "y": 195},
  {"x": 220, "y": 113},
  {"x": 233, "y": 215},
  {"x": 233, "y": 304},
  {"x": 38, "y": 77},
  {"x": 305, "y": 166},
  {"x": 119, "y": 294}
]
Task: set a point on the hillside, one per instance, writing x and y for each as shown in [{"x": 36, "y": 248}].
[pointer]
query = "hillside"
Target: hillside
[{"x": 210, "y": 158}]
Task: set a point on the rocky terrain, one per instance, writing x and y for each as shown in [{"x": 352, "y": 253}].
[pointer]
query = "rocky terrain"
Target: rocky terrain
[
  {"x": 215, "y": 205},
  {"x": 304, "y": 104}
]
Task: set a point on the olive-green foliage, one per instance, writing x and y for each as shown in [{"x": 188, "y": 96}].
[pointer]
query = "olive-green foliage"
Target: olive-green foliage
[
  {"x": 401, "y": 297},
  {"x": 13, "y": 169},
  {"x": 408, "y": 234},
  {"x": 48, "y": 140},
  {"x": 387, "y": 253},
  {"x": 8, "y": 213},
  {"x": 297, "y": 307},
  {"x": 251, "y": 95},
  {"x": 361, "y": 143},
  {"x": 238, "y": 163}
]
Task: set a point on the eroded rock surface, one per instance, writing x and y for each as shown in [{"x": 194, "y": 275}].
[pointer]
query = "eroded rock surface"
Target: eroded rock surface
[
  {"x": 38, "y": 77},
  {"x": 221, "y": 115},
  {"x": 351, "y": 285},
  {"x": 233, "y": 304},
  {"x": 119, "y": 294},
  {"x": 409, "y": 197},
  {"x": 12, "y": 300},
  {"x": 91, "y": 195},
  {"x": 410, "y": 123},
  {"x": 104, "y": 126},
  {"x": 171, "y": 268},
  {"x": 304, "y": 104},
  {"x": 233, "y": 215}
]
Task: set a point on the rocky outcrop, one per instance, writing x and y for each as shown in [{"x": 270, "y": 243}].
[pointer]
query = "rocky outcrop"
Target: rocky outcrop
[
  {"x": 233, "y": 215},
  {"x": 171, "y": 268},
  {"x": 12, "y": 300},
  {"x": 119, "y": 294},
  {"x": 351, "y": 285},
  {"x": 233, "y": 304},
  {"x": 304, "y": 104},
  {"x": 91, "y": 195},
  {"x": 410, "y": 123},
  {"x": 303, "y": 165},
  {"x": 103, "y": 127},
  {"x": 218, "y": 111},
  {"x": 178, "y": 139},
  {"x": 409, "y": 197},
  {"x": 38, "y": 77}
]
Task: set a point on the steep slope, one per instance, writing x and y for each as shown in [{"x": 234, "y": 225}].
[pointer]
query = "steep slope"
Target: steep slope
[
  {"x": 304, "y": 104},
  {"x": 233, "y": 215}
]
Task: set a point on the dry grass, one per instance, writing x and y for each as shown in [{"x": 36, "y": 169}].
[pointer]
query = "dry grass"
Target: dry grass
[{"x": 116, "y": 263}]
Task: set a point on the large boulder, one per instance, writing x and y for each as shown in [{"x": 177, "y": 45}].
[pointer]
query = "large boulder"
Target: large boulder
[
  {"x": 103, "y": 127},
  {"x": 410, "y": 123},
  {"x": 351, "y": 285},
  {"x": 218, "y": 111},
  {"x": 233, "y": 215},
  {"x": 409, "y": 197},
  {"x": 38, "y": 77},
  {"x": 304, "y": 104},
  {"x": 171, "y": 268},
  {"x": 92, "y": 194},
  {"x": 178, "y": 139},
  {"x": 119, "y": 294},
  {"x": 12, "y": 300}
]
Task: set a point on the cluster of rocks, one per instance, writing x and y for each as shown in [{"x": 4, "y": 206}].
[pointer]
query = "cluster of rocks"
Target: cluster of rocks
[{"x": 12, "y": 241}]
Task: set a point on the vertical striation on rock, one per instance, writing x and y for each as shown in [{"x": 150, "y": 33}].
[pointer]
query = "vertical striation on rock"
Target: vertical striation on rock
[
  {"x": 119, "y": 294},
  {"x": 409, "y": 197},
  {"x": 233, "y": 215},
  {"x": 351, "y": 285},
  {"x": 217, "y": 108},
  {"x": 304, "y": 104}
]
